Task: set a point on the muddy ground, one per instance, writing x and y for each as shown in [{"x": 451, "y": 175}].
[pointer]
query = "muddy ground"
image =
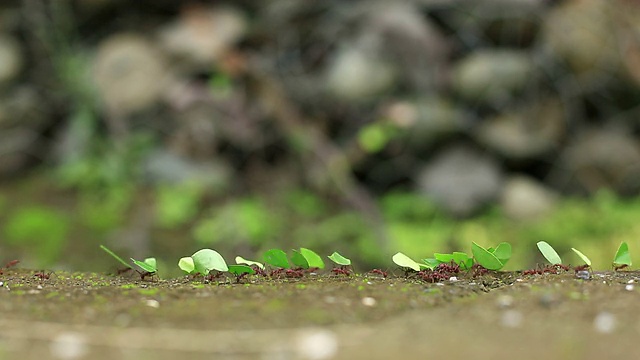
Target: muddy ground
[{"x": 496, "y": 316}]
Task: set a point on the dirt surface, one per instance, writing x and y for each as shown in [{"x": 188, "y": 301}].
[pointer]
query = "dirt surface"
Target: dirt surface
[{"x": 504, "y": 315}]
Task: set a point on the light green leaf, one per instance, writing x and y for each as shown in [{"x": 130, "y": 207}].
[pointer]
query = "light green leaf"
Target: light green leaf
[
  {"x": 430, "y": 263},
  {"x": 623, "y": 257},
  {"x": 241, "y": 269},
  {"x": 186, "y": 264},
  {"x": 443, "y": 258},
  {"x": 404, "y": 261},
  {"x": 463, "y": 259},
  {"x": 115, "y": 256},
  {"x": 339, "y": 259},
  {"x": 241, "y": 260},
  {"x": 206, "y": 260},
  {"x": 582, "y": 256},
  {"x": 313, "y": 259},
  {"x": 144, "y": 266},
  {"x": 277, "y": 258},
  {"x": 549, "y": 253},
  {"x": 503, "y": 252},
  {"x": 485, "y": 258},
  {"x": 298, "y": 260}
]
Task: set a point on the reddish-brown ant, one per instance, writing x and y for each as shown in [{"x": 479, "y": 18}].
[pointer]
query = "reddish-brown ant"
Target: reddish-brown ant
[
  {"x": 294, "y": 273},
  {"x": 384, "y": 274},
  {"x": 123, "y": 270},
  {"x": 581, "y": 268},
  {"x": 620, "y": 267},
  {"x": 342, "y": 270},
  {"x": 42, "y": 275},
  {"x": 11, "y": 263},
  {"x": 479, "y": 270},
  {"x": 145, "y": 274}
]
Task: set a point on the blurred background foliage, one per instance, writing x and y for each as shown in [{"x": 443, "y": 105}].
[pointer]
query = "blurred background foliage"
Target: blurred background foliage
[{"x": 368, "y": 127}]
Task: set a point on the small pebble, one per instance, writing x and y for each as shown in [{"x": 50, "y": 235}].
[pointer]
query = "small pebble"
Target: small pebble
[
  {"x": 1, "y": 284},
  {"x": 630, "y": 281},
  {"x": 511, "y": 319},
  {"x": 152, "y": 303},
  {"x": 604, "y": 323},
  {"x": 629, "y": 287},
  {"x": 317, "y": 344},
  {"x": 547, "y": 300},
  {"x": 39, "y": 287},
  {"x": 505, "y": 301},
  {"x": 68, "y": 345},
  {"x": 453, "y": 279},
  {"x": 369, "y": 301},
  {"x": 369, "y": 283},
  {"x": 583, "y": 274}
]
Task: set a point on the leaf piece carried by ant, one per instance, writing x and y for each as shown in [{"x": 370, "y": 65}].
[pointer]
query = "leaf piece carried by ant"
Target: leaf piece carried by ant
[
  {"x": 277, "y": 258},
  {"x": 206, "y": 260},
  {"x": 242, "y": 261},
  {"x": 241, "y": 269},
  {"x": 622, "y": 257},
  {"x": 404, "y": 261},
  {"x": 549, "y": 253},
  {"x": 299, "y": 260},
  {"x": 485, "y": 258},
  {"x": 115, "y": 256},
  {"x": 314, "y": 260},
  {"x": 339, "y": 259},
  {"x": 582, "y": 256},
  {"x": 187, "y": 265},
  {"x": 503, "y": 252},
  {"x": 149, "y": 264}
]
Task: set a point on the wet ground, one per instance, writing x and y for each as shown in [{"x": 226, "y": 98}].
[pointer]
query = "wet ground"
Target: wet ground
[{"x": 496, "y": 316}]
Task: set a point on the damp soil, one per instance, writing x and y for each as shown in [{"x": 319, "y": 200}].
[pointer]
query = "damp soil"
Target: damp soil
[{"x": 366, "y": 316}]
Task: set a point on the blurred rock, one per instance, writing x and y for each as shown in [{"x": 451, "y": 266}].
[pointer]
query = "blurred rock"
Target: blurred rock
[
  {"x": 23, "y": 115},
  {"x": 358, "y": 72},
  {"x": 165, "y": 167},
  {"x": 428, "y": 120},
  {"x": 583, "y": 34},
  {"x": 461, "y": 180},
  {"x": 11, "y": 61},
  {"x": 523, "y": 198},
  {"x": 414, "y": 44},
  {"x": 499, "y": 22},
  {"x": 202, "y": 35},
  {"x": 526, "y": 133},
  {"x": 598, "y": 159},
  {"x": 493, "y": 76},
  {"x": 129, "y": 73}
]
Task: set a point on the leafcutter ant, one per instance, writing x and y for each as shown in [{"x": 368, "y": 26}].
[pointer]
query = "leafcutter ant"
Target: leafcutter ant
[
  {"x": 620, "y": 267},
  {"x": 384, "y": 274},
  {"x": 42, "y": 275},
  {"x": 342, "y": 270}
]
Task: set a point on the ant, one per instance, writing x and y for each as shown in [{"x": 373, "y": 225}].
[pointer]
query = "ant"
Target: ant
[
  {"x": 620, "y": 267},
  {"x": 11, "y": 263},
  {"x": 479, "y": 270},
  {"x": 293, "y": 273},
  {"x": 123, "y": 270},
  {"x": 384, "y": 274},
  {"x": 42, "y": 275},
  {"x": 258, "y": 270},
  {"x": 343, "y": 270},
  {"x": 581, "y": 268},
  {"x": 145, "y": 274}
]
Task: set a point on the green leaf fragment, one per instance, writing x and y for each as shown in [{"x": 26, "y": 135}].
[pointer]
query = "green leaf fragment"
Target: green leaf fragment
[
  {"x": 115, "y": 256},
  {"x": 242, "y": 261},
  {"x": 241, "y": 269},
  {"x": 443, "y": 258},
  {"x": 277, "y": 258},
  {"x": 339, "y": 259},
  {"x": 503, "y": 252},
  {"x": 187, "y": 265},
  {"x": 206, "y": 260},
  {"x": 298, "y": 260},
  {"x": 485, "y": 258},
  {"x": 463, "y": 259},
  {"x": 623, "y": 257},
  {"x": 582, "y": 256},
  {"x": 549, "y": 253},
  {"x": 404, "y": 261},
  {"x": 313, "y": 258},
  {"x": 144, "y": 265},
  {"x": 430, "y": 263}
]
